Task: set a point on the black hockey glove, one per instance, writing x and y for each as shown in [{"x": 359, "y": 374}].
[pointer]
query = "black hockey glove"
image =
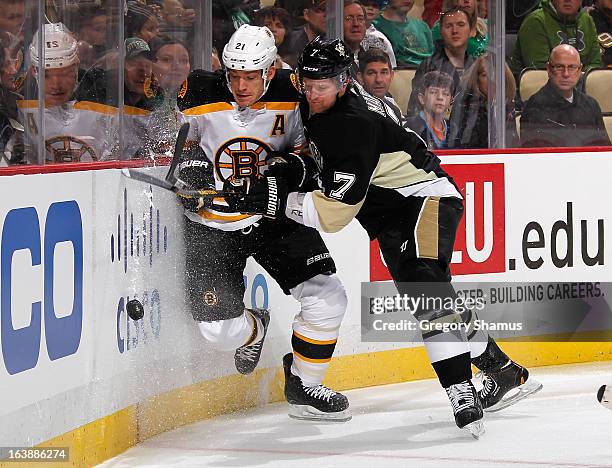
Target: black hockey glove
[
  {"x": 266, "y": 196},
  {"x": 197, "y": 174},
  {"x": 295, "y": 169}
]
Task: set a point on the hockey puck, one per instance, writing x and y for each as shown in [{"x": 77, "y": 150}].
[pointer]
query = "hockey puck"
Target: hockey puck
[
  {"x": 134, "y": 309},
  {"x": 600, "y": 393}
]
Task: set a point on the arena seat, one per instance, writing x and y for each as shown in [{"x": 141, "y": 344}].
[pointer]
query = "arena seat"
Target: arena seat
[
  {"x": 530, "y": 82},
  {"x": 608, "y": 123},
  {"x": 401, "y": 87},
  {"x": 598, "y": 84}
]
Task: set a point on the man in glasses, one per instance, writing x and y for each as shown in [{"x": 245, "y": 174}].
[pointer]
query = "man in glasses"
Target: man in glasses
[
  {"x": 559, "y": 114},
  {"x": 354, "y": 27}
]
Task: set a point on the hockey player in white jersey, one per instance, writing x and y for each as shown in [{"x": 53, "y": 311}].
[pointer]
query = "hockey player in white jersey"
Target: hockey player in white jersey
[
  {"x": 242, "y": 121},
  {"x": 73, "y": 131}
]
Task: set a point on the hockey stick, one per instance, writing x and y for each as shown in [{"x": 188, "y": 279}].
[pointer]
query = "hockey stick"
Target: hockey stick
[
  {"x": 178, "y": 150},
  {"x": 604, "y": 396},
  {"x": 171, "y": 182},
  {"x": 178, "y": 187}
]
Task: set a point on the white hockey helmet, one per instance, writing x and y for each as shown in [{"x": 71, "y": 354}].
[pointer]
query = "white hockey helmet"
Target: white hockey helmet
[
  {"x": 250, "y": 48},
  {"x": 59, "y": 45}
]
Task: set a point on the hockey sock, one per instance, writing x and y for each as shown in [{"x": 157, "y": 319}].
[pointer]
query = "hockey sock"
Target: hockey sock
[
  {"x": 311, "y": 358},
  {"x": 316, "y": 327},
  {"x": 448, "y": 351},
  {"x": 477, "y": 339},
  {"x": 230, "y": 334}
]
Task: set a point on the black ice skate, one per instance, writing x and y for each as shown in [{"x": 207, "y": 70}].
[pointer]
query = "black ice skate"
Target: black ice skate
[
  {"x": 506, "y": 386},
  {"x": 504, "y": 381},
  {"x": 466, "y": 407},
  {"x": 317, "y": 403},
  {"x": 247, "y": 357}
]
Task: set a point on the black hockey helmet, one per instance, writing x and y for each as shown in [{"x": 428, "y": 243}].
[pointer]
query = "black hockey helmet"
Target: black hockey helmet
[{"x": 324, "y": 58}]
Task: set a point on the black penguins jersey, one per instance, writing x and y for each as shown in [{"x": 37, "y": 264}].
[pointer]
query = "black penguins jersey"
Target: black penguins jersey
[
  {"x": 368, "y": 165},
  {"x": 238, "y": 140}
]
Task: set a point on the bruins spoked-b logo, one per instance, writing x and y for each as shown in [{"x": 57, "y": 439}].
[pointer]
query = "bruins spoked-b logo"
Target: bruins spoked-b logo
[
  {"x": 210, "y": 298},
  {"x": 241, "y": 157},
  {"x": 67, "y": 148}
]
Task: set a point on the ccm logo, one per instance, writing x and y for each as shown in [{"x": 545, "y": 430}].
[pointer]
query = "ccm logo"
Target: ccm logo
[{"x": 480, "y": 245}]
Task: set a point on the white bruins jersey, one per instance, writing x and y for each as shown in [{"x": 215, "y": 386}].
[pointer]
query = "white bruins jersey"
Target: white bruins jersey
[
  {"x": 239, "y": 140},
  {"x": 74, "y": 132}
]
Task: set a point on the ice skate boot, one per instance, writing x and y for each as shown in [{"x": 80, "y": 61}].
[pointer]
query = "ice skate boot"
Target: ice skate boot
[
  {"x": 504, "y": 381},
  {"x": 506, "y": 386},
  {"x": 466, "y": 407},
  {"x": 317, "y": 403},
  {"x": 247, "y": 357}
]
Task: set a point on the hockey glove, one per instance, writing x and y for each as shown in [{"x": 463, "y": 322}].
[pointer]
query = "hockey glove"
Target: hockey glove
[
  {"x": 266, "y": 196},
  {"x": 295, "y": 169},
  {"x": 197, "y": 174}
]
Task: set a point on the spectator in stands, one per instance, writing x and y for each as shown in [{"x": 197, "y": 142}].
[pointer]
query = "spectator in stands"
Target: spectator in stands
[
  {"x": 12, "y": 61},
  {"x": 138, "y": 69},
  {"x": 295, "y": 8},
  {"x": 374, "y": 39},
  {"x": 171, "y": 64},
  {"x": 469, "y": 115},
  {"x": 376, "y": 74},
  {"x": 278, "y": 21},
  {"x": 516, "y": 11},
  {"x": 435, "y": 98},
  {"x": 141, "y": 21},
  {"x": 602, "y": 16},
  {"x": 140, "y": 90},
  {"x": 559, "y": 114},
  {"x": 555, "y": 22},
  {"x": 354, "y": 30},
  {"x": 12, "y": 16},
  {"x": 170, "y": 68},
  {"x": 477, "y": 43},
  {"x": 483, "y": 9},
  {"x": 89, "y": 24},
  {"x": 177, "y": 20},
  {"x": 11, "y": 130},
  {"x": 411, "y": 38},
  {"x": 451, "y": 55},
  {"x": 314, "y": 17},
  {"x": 372, "y": 8},
  {"x": 432, "y": 9}
]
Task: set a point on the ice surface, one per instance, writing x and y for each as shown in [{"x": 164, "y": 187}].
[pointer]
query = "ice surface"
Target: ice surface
[{"x": 404, "y": 425}]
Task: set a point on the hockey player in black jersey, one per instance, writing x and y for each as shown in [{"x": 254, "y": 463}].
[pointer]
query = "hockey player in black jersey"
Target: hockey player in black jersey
[
  {"x": 241, "y": 120},
  {"x": 375, "y": 171}
]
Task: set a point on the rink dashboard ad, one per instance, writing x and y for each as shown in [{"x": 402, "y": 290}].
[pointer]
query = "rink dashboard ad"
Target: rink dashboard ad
[{"x": 77, "y": 246}]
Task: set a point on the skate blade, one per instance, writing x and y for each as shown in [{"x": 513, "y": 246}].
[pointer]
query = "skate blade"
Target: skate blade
[
  {"x": 520, "y": 393},
  {"x": 475, "y": 428},
  {"x": 308, "y": 413}
]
